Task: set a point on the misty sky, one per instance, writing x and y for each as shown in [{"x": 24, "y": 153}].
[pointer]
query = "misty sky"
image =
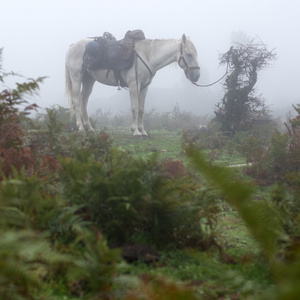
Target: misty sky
[{"x": 36, "y": 34}]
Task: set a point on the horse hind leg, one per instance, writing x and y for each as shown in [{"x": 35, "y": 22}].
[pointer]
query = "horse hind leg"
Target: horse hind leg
[
  {"x": 134, "y": 98},
  {"x": 140, "y": 121},
  {"x": 73, "y": 85},
  {"x": 87, "y": 87},
  {"x": 76, "y": 103}
]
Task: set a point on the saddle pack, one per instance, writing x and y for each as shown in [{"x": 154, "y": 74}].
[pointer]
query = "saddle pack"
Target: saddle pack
[{"x": 105, "y": 52}]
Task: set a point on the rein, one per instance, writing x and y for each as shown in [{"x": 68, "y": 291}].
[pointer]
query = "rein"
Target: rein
[
  {"x": 187, "y": 68},
  {"x": 210, "y": 84},
  {"x": 181, "y": 58}
]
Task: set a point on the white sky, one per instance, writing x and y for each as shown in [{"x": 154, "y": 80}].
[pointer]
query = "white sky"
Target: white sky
[{"x": 35, "y": 35}]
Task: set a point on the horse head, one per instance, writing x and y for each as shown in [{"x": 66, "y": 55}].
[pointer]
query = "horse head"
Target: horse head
[{"x": 187, "y": 59}]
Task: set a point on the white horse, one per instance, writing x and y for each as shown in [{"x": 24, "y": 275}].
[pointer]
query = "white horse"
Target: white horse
[{"x": 151, "y": 55}]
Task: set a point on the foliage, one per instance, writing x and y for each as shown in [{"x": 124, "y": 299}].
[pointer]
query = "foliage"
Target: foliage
[
  {"x": 16, "y": 152},
  {"x": 23, "y": 255},
  {"x": 281, "y": 157},
  {"x": 131, "y": 199},
  {"x": 95, "y": 269},
  {"x": 53, "y": 141},
  {"x": 173, "y": 120},
  {"x": 103, "y": 119},
  {"x": 31, "y": 247},
  {"x": 293, "y": 127},
  {"x": 175, "y": 169},
  {"x": 280, "y": 165},
  {"x": 240, "y": 109},
  {"x": 74, "y": 197},
  {"x": 239, "y": 195},
  {"x": 30, "y": 258},
  {"x": 152, "y": 288},
  {"x": 251, "y": 148},
  {"x": 25, "y": 252},
  {"x": 263, "y": 220},
  {"x": 153, "y": 120},
  {"x": 13, "y": 153},
  {"x": 209, "y": 137},
  {"x": 54, "y": 116}
]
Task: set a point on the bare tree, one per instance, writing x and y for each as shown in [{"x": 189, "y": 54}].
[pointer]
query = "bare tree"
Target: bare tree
[{"x": 240, "y": 107}]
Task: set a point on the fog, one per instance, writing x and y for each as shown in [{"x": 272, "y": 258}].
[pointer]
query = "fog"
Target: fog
[{"x": 36, "y": 34}]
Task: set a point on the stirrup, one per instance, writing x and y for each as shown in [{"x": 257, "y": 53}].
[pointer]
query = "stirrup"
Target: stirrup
[{"x": 119, "y": 85}]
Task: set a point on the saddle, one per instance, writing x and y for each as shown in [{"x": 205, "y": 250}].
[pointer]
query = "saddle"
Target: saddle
[{"x": 105, "y": 52}]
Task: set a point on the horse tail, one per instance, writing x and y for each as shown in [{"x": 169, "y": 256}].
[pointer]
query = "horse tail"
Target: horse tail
[{"x": 68, "y": 89}]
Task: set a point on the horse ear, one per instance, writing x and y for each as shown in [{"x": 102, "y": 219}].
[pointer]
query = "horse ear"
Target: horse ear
[{"x": 184, "y": 38}]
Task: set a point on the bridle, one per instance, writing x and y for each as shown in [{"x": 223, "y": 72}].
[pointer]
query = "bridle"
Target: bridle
[{"x": 187, "y": 67}]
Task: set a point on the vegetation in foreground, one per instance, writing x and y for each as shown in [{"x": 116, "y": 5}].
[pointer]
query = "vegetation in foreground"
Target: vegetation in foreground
[{"x": 103, "y": 216}]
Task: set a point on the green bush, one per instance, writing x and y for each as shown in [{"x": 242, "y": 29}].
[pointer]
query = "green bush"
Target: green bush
[
  {"x": 67, "y": 198},
  {"x": 131, "y": 199},
  {"x": 33, "y": 218},
  {"x": 55, "y": 117},
  {"x": 281, "y": 157},
  {"x": 265, "y": 221},
  {"x": 53, "y": 137},
  {"x": 153, "y": 120}
]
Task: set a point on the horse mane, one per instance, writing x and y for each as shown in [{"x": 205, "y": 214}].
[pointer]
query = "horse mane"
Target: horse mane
[
  {"x": 192, "y": 45},
  {"x": 148, "y": 45}
]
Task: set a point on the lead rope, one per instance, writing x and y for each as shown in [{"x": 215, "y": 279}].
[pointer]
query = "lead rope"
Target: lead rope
[
  {"x": 197, "y": 67},
  {"x": 207, "y": 85},
  {"x": 152, "y": 75}
]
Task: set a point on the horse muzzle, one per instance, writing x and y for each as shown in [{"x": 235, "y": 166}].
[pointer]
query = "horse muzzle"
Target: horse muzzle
[{"x": 193, "y": 74}]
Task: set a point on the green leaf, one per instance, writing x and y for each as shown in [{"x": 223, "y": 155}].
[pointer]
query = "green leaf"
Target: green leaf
[{"x": 261, "y": 218}]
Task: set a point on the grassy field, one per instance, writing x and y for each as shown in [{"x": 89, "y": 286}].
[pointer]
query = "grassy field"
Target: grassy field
[
  {"x": 174, "y": 216},
  {"x": 168, "y": 145},
  {"x": 243, "y": 274},
  {"x": 231, "y": 268}
]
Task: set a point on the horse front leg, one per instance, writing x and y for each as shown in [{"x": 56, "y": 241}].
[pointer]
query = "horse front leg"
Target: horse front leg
[
  {"x": 134, "y": 98},
  {"x": 140, "y": 123}
]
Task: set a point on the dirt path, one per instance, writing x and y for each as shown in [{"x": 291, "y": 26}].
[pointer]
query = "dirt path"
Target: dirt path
[{"x": 240, "y": 165}]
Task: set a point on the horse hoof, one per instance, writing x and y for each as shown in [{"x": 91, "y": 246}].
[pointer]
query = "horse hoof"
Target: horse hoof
[
  {"x": 137, "y": 137},
  {"x": 89, "y": 128},
  {"x": 144, "y": 133}
]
